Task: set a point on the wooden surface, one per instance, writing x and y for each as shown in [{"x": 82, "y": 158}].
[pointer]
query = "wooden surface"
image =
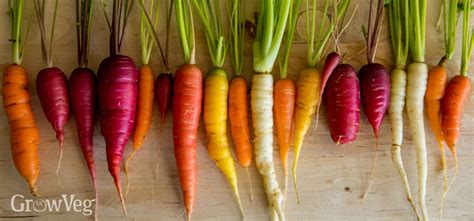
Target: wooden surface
[{"x": 332, "y": 178}]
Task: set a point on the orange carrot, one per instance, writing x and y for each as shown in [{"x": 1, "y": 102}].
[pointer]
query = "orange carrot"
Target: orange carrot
[
  {"x": 437, "y": 80},
  {"x": 452, "y": 105},
  {"x": 238, "y": 119},
  {"x": 143, "y": 114},
  {"x": 187, "y": 102},
  {"x": 284, "y": 94},
  {"x": 457, "y": 93},
  {"x": 24, "y": 136}
]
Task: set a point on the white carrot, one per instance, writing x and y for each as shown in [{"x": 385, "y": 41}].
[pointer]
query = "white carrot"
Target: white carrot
[
  {"x": 417, "y": 76},
  {"x": 270, "y": 28},
  {"x": 398, "y": 12},
  {"x": 262, "y": 117}
]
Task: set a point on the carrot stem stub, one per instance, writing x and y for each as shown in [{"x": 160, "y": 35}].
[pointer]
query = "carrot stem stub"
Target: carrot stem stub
[{"x": 187, "y": 102}]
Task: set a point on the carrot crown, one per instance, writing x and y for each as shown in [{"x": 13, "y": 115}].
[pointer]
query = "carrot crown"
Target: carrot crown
[
  {"x": 450, "y": 20},
  {"x": 398, "y": 15},
  {"x": 210, "y": 13},
  {"x": 291, "y": 28},
  {"x": 46, "y": 47},
  {"x": 184, "y": 20},
  {"x": 15, "y": 13},
  {"x": 373, "y": 29},
  {"x": 467, "y": 38},
  {"x": 120, "y": 14},
  {"x": 270, "y": 29},
  {"x": 236, "y": 16},
  {"x": 318, "y": 35},
  {"x": 83, "y": 29},
  {"x": 146, "y": 28},
  {"x": 417, "y": 29},
  {"x": 148, "y": 34}
]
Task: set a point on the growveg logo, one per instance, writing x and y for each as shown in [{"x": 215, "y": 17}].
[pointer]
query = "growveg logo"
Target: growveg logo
[{"x": 68, "y": 203}]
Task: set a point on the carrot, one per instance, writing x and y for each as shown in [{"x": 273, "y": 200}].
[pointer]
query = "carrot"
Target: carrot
[
  {"x": 284, "y": 109},
  {"x": 238, "y": 119},
  {"x": 311, "y": 83},
  {"x": 342, "y": 99},
  {"x": 51, "y": 82},
  {"x": 269, "y": 35},
  {"x": 51, "y": 86},
  {"x": 452, "y": 105},
  {"x": 284, "y": 97},
  {"x": 117, "y": 95},
  {"x": 82, "y": 88},
  {"x": 456, "y": 94},
  {"x": 374, "y": 82},
  {"x": 399, "y": 32},
  {"x": 24, "y": 134},
  {"x": 187, "y": 102},
  {"x": 216, "y": 88},
  {"x": 417, "y": 75},
  {"x": 83, "y": 104},
  {"x": 143, "y": 114},
  {"x": 163, "y": 94},
  {"x": 238, "y": 92}
]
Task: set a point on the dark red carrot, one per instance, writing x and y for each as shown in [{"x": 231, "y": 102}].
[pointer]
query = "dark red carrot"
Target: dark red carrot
[
  {"x": 83, "y": 101},
  {"x": 375, "y": 94},
  {"x": 117, "y": 91},
  {"x": 51, "y": 86},
  {"x": 51, "y": 83},
  {"x": 163, "y": 94},
  {"x": 342, "y": 100}
]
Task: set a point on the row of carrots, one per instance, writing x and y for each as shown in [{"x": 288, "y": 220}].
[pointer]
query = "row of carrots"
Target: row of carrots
[{"x": 126, "y": 95}]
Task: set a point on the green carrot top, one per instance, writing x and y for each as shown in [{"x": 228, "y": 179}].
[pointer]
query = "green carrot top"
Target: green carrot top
[
  {"x": 210, "y": 13},
  {"x": 291, "y": 28},
  {"x": 450, "y": 19},
  {"x": 467, "y": 38},
  {"x": 270, "y": 29},
  {"x": 319, "y": 37},
  {"x": 398, "y": 15},
  {"x": 46, "y": 47},
  {"x": 121, "y": 10},
  {"x": 417, "y": 29},
  {"x": 184, "y": 20},
  {"x": 236, "y": 16},
  {"x": 146, "y": 33},
  {"x": 373, "y": 29},
  {"x": 15, "y": 13},
  {"x": 83, "y": 29}
]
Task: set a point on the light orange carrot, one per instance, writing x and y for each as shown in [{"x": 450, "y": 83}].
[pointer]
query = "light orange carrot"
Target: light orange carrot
[
  {"x": 284, "y": 94},
  {"x": 24, "y": 136},
  {"x": 143, "y": 114}
]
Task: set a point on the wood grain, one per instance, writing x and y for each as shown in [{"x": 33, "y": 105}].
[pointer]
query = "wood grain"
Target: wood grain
[{"x": 332, "y": 178}]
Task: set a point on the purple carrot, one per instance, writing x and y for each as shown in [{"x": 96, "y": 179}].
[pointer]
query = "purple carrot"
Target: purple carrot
[
  {"x": 342, "y": 100},
  {"x": 375, "y": 93},
  {"x": 117, "y": 93},
  {"x": 51, "y": 86}
]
